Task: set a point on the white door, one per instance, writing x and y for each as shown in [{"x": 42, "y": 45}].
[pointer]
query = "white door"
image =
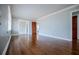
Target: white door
[{"x": 23, "y": 27}]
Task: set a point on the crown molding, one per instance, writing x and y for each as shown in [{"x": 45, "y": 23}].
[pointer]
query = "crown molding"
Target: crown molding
[{"x": 62, "y": 10}]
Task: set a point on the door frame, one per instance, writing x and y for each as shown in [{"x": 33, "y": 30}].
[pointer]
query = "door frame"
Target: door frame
[
  {"x": 28, "y": 24},
  {"x": 23, "y": 21}
]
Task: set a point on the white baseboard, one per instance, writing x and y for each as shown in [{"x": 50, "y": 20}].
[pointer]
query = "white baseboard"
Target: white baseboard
[
  {"x": 6, "y": 47},
  {"x": 19, "y": 34},
  {"x": 14, "y": 34},
  {"x": 55, "y": 37}
]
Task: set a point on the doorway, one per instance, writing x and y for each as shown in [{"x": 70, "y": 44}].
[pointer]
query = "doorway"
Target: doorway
[{"x": 23, "y": 27}]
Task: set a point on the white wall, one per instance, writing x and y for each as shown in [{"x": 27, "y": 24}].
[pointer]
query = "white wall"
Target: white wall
[
  {"x": 14, "y": 26},
  {"x": 4, "y": 35},
  {"x": 3, "y": 20},
  {"x": 58, "y": 25}
]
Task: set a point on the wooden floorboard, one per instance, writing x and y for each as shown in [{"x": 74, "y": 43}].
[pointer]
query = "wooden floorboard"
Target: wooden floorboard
[{"x": 20, "y": 45}]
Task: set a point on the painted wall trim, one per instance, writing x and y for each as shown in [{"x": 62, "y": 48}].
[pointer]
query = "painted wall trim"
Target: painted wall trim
[
  {"x": 20, "y": 34},
  {"x": 14, "y": 34},
  {"x": 17, "y": 34},
  {"x": 6, "y": 47},
  {"x": 58, "y": 11},
  {"x": 61, "y": 38}
]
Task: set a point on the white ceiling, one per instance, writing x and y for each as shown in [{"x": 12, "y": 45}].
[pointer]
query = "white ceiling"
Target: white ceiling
[{"x": 35, "y": 11}]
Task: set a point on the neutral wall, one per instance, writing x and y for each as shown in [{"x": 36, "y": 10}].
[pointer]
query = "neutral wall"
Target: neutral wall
[
  {"x": 58, "y": 25},
  {"x": 4, "y": 19},
  {"x": 3, "y": 43},
  {"x": 14, "y": 26},
  {"x": 4, "y": 35}
]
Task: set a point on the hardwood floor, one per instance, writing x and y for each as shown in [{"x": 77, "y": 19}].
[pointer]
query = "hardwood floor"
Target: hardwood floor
[{"x": 20, "y": 45}]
